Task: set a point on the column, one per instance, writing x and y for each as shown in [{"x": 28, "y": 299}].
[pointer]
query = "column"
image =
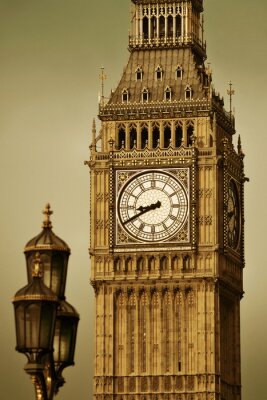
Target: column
[
  {"x": 149, "y": 25},
  {"x": 166, "y": 25},
  {"x": 127, "y": 137},
  {"x": 174, "y": 28}
]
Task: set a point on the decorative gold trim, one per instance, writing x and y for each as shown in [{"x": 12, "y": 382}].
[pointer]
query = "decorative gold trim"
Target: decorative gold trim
[
  {"x": 37, "y": 297},
  {"x": 46, "y": 247}
]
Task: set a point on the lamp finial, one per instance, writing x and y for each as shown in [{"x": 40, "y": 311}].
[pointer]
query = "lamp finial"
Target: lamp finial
[{"x": 47, "y": 212}]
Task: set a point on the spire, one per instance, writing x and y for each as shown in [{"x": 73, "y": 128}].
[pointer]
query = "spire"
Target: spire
[
  {"x": 231, "y": 92},
  {"x": 47, "y": 212},
  {"x": 93, "y": 145},
  {"x": 102, "y": 77}
]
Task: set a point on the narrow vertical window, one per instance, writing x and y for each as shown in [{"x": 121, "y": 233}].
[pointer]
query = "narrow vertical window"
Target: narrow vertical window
[
  {"x": 144, "y": 137},
  {"x": 145, "y": 27},
  {"x": 179, "y": 72},
  {"x": 133, "y": 136},
  {"x": 170, "y": 26},
  {"x": 161, "y": 26},
  {"x": 145, "y": 95},
  {"x": 178, "y": 135},
  {"x": 121, "y": 137},
  {"x": 189, "y": 134},
  {"x": 140, "y": 264},
  {"x": 167, "y": 136},
  {"x": 151, "y": 264},
  {"x": 139, "y": 74},
  {"x": 178, "y": 26},
  {"x": 168, "y": 94},
  {"x": 155, "y": 136},
  {"x": 188, "y": 93},
  {"x": 159, "y": 73},
  {"x": 153, "y": 27},
  {"x": 164, "y": 263},
  {"x": 125, "y": 96}
]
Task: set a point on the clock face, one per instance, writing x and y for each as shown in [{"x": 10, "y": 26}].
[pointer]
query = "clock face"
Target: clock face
[
  {"x": 233, "y": 215},
  {"x": 152, "y": 206}
]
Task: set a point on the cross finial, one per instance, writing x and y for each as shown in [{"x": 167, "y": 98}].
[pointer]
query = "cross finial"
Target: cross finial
[
  {"x": 230, "y": 92},
  {"x": 47, "y": 212},
  {"x": 102, "y": 77}
]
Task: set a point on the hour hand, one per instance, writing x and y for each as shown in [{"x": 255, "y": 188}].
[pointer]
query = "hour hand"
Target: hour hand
[{"x": 143, "y": 210}]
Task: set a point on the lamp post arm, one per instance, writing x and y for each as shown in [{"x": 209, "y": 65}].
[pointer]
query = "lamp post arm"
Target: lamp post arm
[{"x": 38, "y": 379}]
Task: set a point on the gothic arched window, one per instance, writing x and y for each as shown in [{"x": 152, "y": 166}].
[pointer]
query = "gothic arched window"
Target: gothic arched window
[
  {"x": 167, "y": 135},
  {"x": 144, "y": 137},
  {"x": 188, "y": 93},
  {"x": 153, "y": 27},
  {"x": 155, "y": 136},
  {"x": 161, "y": 26},
  {"x": 145, "y": 27},
  {"x": 145, "y": 95},
  {"x": 140, "y": 264},
  {"x": 170, "y": 26},
  {"x": 179, "y": 72},
  {"x": 125, "y": 96},
  {"x": 159, "y": 73},
  {"x": 189, "y": 133},
  {"x": 133, "y": 137},
  {"x": 139, "y": 74},
  {"x": 168, "y": 93},
  {"x": 151, "y": 263},
  {"x": 121, "y": 137},
  {"x": 178, "y": 135},
  {"x": 178, "y": 25},
  {"x": 164, "y": 263}
]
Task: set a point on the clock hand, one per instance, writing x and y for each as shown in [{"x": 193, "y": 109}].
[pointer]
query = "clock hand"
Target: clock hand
[{"x": 143, "y": 210}]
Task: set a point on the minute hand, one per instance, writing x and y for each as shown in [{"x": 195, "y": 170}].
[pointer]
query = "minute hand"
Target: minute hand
[{"x": 143, "y": 210}]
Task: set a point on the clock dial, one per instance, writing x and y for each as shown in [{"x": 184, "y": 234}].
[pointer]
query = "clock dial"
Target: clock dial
[
  {"x": 233, "y": 215},
  {"x": 152, "y": 206}
]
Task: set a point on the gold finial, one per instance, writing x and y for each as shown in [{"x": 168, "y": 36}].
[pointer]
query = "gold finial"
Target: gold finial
[
  {"x": 47, "y": 212},
  {"x": 36, "y": 272},
  {"x": 230, "y": 92},
  {"x": 102, "y": 77}
]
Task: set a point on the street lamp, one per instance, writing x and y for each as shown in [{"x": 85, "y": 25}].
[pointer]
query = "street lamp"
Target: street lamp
[{"x": 46, "y": 325}]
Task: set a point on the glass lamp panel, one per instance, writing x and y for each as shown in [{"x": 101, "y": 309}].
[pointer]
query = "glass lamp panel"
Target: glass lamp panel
[
  {"x": 20, "y": 326},
  {"x": 47, "y": 326},
  {"x": 56, "y": 343},
  {"x": 64, "y": 340},
  {"x": 32, "y": 326},
  {"x": 46, "y": 269},
  {"x": 58, "y": 275}
]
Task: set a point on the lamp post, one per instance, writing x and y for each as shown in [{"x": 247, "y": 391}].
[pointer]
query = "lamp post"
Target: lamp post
[{"x": 46, "y": 325}]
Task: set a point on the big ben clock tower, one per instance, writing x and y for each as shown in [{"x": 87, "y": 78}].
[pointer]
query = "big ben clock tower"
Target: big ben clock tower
[{"x": 166, "y": 220}]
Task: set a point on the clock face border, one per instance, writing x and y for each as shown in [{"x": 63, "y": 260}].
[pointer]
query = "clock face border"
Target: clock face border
[
  {"x": 233, "y": 215},
  {"x": 181, "y": 233}
]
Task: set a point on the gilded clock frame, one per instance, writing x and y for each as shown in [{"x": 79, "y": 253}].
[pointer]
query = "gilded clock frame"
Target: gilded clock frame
[{"x": 182, "y": 238}]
